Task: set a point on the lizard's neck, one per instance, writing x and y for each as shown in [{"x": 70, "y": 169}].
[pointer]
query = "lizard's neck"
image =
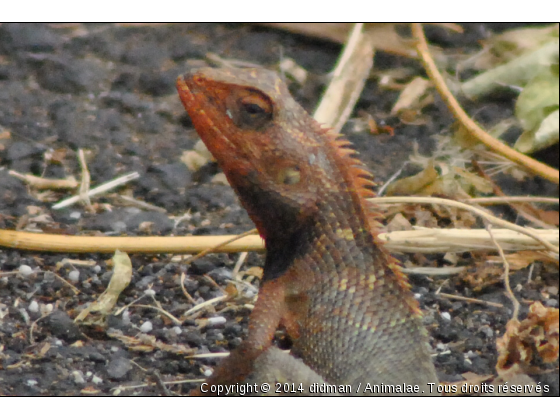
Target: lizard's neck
[{"x": 342, "y": 225}]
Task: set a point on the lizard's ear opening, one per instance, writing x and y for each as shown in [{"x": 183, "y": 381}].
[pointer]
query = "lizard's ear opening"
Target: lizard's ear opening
[{"x": 249, "y": 109}]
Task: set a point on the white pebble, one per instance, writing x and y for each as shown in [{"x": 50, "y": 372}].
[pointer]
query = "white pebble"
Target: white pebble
[
  {"x": 217, "y": 320},
  {"x": 33, "y": 306},
  {"x": 75, "y": 215},
  {"x": 126, "y": 317},
  {"x": 97, "y": 269},
  {"x": 74, "y": 276},
  {"x": 178, "y": 330},
  {"x": 150, "y": 292},
  {"x": 96, "y": 380},
  {"x": 146, "y": 327},
  {"x": 446, "y": 316},
  {"x": 49, "y": 308},
  {"x": 32, "y": 382},
  {"x": 25, "y": 270},
  {"x": 78, "y": 377},
  {"x": 208, "y": 372}
]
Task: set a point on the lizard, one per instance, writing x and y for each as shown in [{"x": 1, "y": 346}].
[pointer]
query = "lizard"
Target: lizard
[{"x": 327, "y": 279}]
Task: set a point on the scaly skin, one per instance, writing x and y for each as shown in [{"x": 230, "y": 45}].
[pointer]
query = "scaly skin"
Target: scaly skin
[{"x": 327, "y": 279}]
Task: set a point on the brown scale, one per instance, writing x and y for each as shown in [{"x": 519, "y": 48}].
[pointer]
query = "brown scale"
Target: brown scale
[{"x": 327, "y": 279}]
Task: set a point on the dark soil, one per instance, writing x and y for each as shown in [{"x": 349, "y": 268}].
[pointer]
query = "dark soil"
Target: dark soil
[{"x": 110, "y": 90}]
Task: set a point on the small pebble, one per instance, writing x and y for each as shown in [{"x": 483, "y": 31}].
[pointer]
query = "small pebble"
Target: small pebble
[
  {"x": 96, "y": 380},
  {"x": 441, "y": 346},
  {"x": 74, "y": 276},
  {"x": 146, "y": 327},
  {"x": 126, "y": 317},
  {"x": 208, "y": 372},
  {"x": 178, "y": 330},
  {"x": 78, "y": 377},
  {"x": 118, "y": 367},
  {"x": 25, "y": 270},
  {"x": 217, "y": 320},
  {"x": 33, "y": 306},
  {"x": 487, "y": 331},
  {"x": 150, "y": 292},
  {"x": 75, "y": 215},
  {"x": 97, "y": 269},
  {"x": 446, "y": 316},
  {"x": 31, "y": 382},
  {"x": 553, "y": 303}
]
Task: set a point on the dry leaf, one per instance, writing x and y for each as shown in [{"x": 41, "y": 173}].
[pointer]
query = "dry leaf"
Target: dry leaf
[
  {"x": 520, "y": 260},
  {"x": 413, "y": 184},
  {"x": 522, "y": 341},
  {"x": 414, "y": 96},
  {"x": 122, "y": 273}
]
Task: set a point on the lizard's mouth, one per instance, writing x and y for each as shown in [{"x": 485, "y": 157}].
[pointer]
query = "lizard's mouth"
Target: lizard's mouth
[{"x": 191, "y": 97}]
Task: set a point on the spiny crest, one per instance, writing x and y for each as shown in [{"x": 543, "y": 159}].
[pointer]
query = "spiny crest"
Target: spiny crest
[{"x": 362, "y": 182}]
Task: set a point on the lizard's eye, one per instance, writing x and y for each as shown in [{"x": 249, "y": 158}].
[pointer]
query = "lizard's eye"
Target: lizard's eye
[
  {"x": 289, "y": 176},
  {"x": 249, "y": 109}
]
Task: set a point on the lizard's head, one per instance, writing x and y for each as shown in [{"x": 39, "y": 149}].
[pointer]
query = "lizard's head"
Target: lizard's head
[
  {"x": 268, "y": 147},
  {"x": 280, "y": 161}
]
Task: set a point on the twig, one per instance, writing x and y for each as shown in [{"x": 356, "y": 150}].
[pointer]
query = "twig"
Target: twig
[
  {"x": 74, "y": 288},
  {"x": 148, "y": 244},
  {"x": 141, "y": 204},
  {"x": 238, "y": 264},
  {"x": 524, "y": 209},
  {"x": 472, "y": 300},
  {"x": 512, "y": 297},
  {"x": 208, "y": 356},
  {"x": 435, "y": 76},
  {"x": 348, "y": 80},
  {"x": 98, "y": 190},
  {"x": 218, "y": 246},
  {"x": 426, "y": 241},
  {"x": 85, "y": 181},
  {"x": 187, "y": 295},
  {"x": 206, "y": 303},
  {"x": 487, "y": 216},
  {"x": 31, "y": 339},
  {"x": 511, "y": 199},
  {"x": 46, "y": 183},
  {"x": 163, "y": 311}
]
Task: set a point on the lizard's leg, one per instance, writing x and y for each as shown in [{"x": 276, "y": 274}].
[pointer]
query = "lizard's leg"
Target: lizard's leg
[{"x": 269, "y": 310}]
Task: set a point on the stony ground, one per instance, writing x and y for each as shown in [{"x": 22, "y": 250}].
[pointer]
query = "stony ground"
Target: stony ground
[{"x": 109, "y": 90}]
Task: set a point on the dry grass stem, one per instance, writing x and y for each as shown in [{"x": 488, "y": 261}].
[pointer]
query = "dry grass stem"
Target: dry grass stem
[
  {"x": 471, "y": 300},
  {"x": 348, "y": 80},
  {"x": 163, "y": 311},
  {"x": 141, "y": 204},
  {"x": 485, "y": 215},
  {"x": 472, "y": 128},
  {"x": 208, "y": 356},
  {"x": 211, "y": 249},
  {"x": 512, "y": 297},
  {"x": 511, "y": 199},
  {"x": 85, "y": 181},
  {"x": 204, "y": 304},
  {"x": 71, "y": 286},
  {"x": 187, "y": 295},
  {"x": 46, "y": 183},
  {"x": 98, "y": 190}
]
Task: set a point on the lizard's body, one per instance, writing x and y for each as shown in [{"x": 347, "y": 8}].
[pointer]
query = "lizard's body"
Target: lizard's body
[{"x": 327, "y": 279}]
